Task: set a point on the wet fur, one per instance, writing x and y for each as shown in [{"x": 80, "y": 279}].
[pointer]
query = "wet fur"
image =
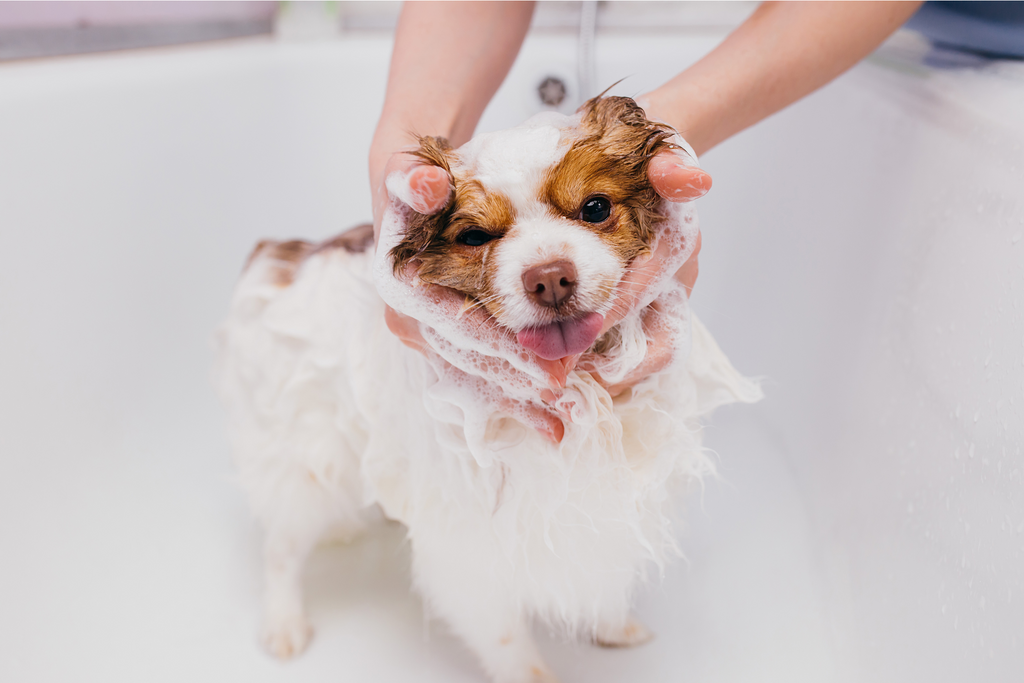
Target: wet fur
[{"x": 609, "y": 158}]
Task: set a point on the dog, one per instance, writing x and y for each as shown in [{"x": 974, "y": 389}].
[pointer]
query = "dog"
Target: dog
[{"x": 331, "y": 418}]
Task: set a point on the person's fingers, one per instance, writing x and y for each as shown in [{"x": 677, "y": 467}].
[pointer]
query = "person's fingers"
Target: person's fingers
[
  {"x": 659, "y": 354},
  {"x": 541, "y": 418},
  {"x": 396, "y": 163},
  {"x": 550, "y": 426},
  {"x": 421, "y": 186},
  {"x": 674, "y": 180},
  {"x": 687, "y": 275},
  {"x": 634, "y": 284},
  {"x": 429, "y": 188},
  {"x": 661, "y": 348},
  {"x": 405, "y": 328},
  {"x": 569, "y": 362}
]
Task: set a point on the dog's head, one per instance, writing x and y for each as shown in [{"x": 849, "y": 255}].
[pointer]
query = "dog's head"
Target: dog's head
[{"x": 544, "y": 220}]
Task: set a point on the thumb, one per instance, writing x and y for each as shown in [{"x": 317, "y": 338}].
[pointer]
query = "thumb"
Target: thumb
[
  {"x": 423, "y": 188},
  {"x": 675, "y": 181}
]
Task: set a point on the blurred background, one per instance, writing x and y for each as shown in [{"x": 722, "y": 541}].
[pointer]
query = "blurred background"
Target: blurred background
[{"x": 863, "y": 252}]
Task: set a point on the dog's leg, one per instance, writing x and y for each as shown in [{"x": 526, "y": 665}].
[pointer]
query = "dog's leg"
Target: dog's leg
[
  {"x": 500, "y": 639},
  {"x": 460, "y": 589},
  {"x": 628, "y": 633},
  {"x": 285, "y": 629}
]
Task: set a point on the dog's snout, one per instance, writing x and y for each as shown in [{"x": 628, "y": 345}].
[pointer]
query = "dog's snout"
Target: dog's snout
[{"x": 550, "y": 284}]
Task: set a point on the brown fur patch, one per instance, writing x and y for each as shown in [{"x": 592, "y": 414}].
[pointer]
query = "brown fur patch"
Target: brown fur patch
[
  {"x": 447, "y": 262},
  {"x": 354, "y": 240},
  {"x": 422, "y": 230},
  {"x": 287, "y": 257},
  {"x": 284, "y": 257},
  {"x": 610, "y": 159},
  {"x": 433, "y": 240}
]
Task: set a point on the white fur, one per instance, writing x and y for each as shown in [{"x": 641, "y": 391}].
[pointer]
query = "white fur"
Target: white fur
[
  {"x": 539, "y": 238},
  {"x": 331, "y": 416}
]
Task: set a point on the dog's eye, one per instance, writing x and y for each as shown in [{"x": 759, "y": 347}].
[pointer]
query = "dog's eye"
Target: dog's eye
[
  {"x": 596, "y": 210},
  {"x": 475, "y": 238}
]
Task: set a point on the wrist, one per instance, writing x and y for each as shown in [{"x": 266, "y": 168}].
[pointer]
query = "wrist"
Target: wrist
[
  {"x": 399, "y": 130},
  {"x": 683, "y": 113},
  {"x": 389, "y": 138}
]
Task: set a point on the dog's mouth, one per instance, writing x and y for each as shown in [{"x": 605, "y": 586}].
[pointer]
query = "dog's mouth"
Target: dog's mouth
[{"x": 563, "y": 337}]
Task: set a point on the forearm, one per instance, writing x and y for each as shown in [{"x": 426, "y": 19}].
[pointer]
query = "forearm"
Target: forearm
[
  {"x": 783, "y": 52},
  {"x": 448, "y": 61}
]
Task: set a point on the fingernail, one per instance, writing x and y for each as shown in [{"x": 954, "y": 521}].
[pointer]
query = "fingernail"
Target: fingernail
[
  {"x": 558, "y": 433},
  {"x": 556, "y": 380}
]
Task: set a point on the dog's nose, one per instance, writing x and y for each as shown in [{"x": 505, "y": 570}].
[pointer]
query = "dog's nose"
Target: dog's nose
[{"x": 550, "y": 284}]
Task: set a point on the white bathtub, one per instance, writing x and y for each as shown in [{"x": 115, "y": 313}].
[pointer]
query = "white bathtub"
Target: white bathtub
[{"x": 863, "y": 252}]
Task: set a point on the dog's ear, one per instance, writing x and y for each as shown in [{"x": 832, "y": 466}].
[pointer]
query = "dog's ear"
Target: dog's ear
[
  {"x": 428, "y": 190},
  {"x": 623, "y": 129},
  {"x": 612, "y": 155},
  {"x": 627, "y": 133}
]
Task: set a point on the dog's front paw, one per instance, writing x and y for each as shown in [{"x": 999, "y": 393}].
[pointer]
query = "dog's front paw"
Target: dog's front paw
[
  {"x": 630, "y": 634},
  {"x": 286, "y": 637}
]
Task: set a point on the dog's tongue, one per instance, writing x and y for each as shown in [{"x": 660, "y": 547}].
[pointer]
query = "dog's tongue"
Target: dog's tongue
[{"x": 561, "y": 339}]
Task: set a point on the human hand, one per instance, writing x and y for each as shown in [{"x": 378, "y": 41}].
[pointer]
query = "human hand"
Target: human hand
[{"x": 677, "y": 179}]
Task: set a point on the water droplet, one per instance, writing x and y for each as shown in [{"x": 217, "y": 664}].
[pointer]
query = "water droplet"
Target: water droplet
[
  {"x": 910, "y": 508},
  {"x": 981, "y": 208},
  {"x": 1015, "y": 238},
  {"x": 970, "y": 449},
  {"x": 944, "y": 607},
  {"x": 981, "y": 602},
  {"x": 957, "y": 411}
]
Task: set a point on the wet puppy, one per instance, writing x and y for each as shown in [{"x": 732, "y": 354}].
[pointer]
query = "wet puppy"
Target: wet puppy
[
  {"x": 543, "y": 245},
  {"x": 331, "y": 417}
]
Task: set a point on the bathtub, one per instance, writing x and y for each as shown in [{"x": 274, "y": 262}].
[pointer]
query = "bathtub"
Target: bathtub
[{"x": 863, "y": 253}]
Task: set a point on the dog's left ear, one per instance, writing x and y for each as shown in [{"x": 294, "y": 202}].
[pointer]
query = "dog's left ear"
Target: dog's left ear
[{"x": 427, "y": 189}]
